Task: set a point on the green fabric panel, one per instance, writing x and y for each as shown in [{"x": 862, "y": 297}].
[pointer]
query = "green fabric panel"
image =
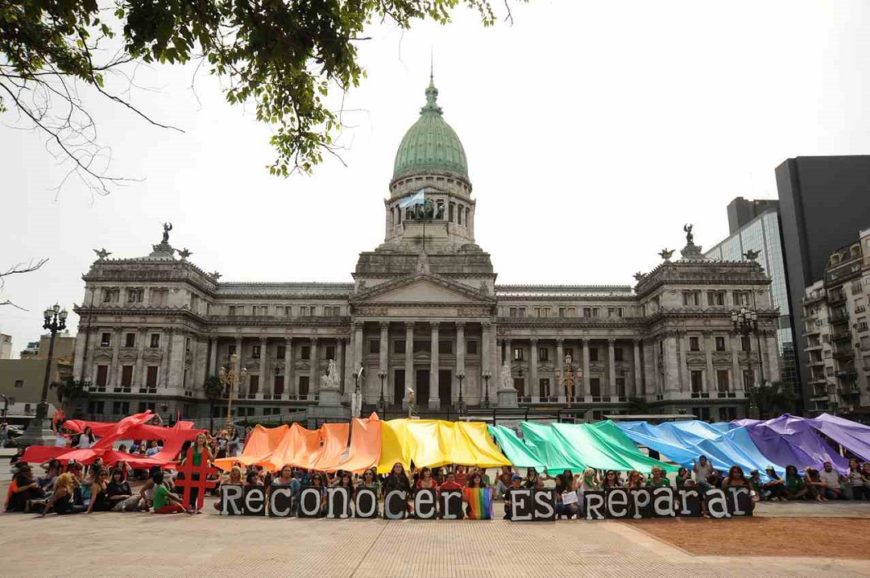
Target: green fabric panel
[
  {"x": 517, "y": 452},
  {"x": 552, "y": 449},
  {"x": 593, "y": 452},
  {"x": 617, "y": 442}
]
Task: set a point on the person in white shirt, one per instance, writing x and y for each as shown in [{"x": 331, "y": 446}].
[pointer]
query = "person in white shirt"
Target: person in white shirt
[
  {"x": 86, "y": 440},
  {"x": 702, "y": 469},
  {"x": 831, "y": 479}
]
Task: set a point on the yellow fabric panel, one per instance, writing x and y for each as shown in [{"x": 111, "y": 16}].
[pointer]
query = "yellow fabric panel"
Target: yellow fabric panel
[
  {"x": 488, "y": 454},
  {"x": 393, "y": 445}
]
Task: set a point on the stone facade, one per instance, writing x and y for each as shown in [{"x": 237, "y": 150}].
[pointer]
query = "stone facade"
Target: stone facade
[{"x": 424, "y": 312}]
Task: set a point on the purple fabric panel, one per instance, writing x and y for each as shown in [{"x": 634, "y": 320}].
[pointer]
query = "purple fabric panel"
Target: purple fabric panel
[
  {"x": 789, "y": 440},
  {"x": 851, "y": 435}
]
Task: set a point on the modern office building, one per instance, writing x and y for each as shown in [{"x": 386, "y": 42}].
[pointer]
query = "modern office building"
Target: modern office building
[
  {"x": 758, "y": 231},
  {"x": 823, "y": 201},
  {"x": 838, "y": 337}
]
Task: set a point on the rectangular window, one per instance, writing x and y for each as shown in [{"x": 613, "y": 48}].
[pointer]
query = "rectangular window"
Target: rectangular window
[
  {"x": 330, "y": 352},
  {"x": 232, "y": 311},
  {"x": 543, "y": 354},
  {"x": 620, "y": 386},
  {"x": 544, "y": 384},
  {"x": 595, "y": 386},
  {"x": 722, "y": 380},
  {"x": 155, "y": 340},
  {"x": 697, "y": 381},
  {"x": 745, "y": 343},
  {"x": 421, "y": 346},
  {"x": 614, "y": 311},
  {"x": 130, "y": 340},
  {"x": 561, "y": 312},
  {"x": 121, "y": 407},
  {"x": 518, "y": 354},
  {"x": 151, "y": 377},
  {"x": 445, "y": 347},
  {"x": 399, "y": 346},
  {"x": 105, "y": 339},
  {"x": 126, "y": 376},
  {"x": 471, "y": 347},
  {"x": 618, "y": 353},
  {"x": 253, "y": 384},
  {"x": 748, "y": 379},
  {"x": 134, "y": 295},
  {"x": 281, "y": 352},
  {"x": 374, "y": 345},
  {"x": 742, "y": 298},
  {"x": 716, "y": 298},
  {"x": 19, "y": 383},
  {"x": 692, "y": 298},
  {"x": 720, "y": 344},
  {"x": 305, "y": 352},
  {"x": 303, "y": 386},
  {"x": 102, "y": 375},
  {"x": 255, "y": 351},
  {"x": 694, "y": 344}
]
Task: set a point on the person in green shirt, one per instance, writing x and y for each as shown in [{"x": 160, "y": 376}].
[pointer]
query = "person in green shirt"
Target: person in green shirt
[
  {"x": 795, "y": 488},
  {"x": 164, "y": 501},
  {"x": 658, "y": 479}
]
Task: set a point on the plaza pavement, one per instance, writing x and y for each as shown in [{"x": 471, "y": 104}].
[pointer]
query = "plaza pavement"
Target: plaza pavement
[{"x": 111, "y": 544}]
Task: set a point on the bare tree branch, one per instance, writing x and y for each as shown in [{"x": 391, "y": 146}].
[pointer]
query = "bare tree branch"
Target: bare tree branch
[{"x": 19, "y": 269}]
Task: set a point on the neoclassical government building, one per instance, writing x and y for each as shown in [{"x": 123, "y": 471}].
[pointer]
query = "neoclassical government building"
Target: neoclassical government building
[{"x": 424, "y": 313}]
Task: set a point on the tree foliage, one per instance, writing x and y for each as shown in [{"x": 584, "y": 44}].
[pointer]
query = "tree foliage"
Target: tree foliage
[
  {"x": 772, "y": 399},
  {"x": 284, "y": 56},
  {"x": 69, "y": 391}
]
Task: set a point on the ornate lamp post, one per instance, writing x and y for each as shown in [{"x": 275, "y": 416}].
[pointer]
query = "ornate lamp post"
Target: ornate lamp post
[
  {"x": 745, "y": 322},
  {"x": 382, "y": 402},
  {"x": 486, "y": 375},
  {"x": 227, "y": 377},
  {"x": 460, "y": 376},
  {"x": 39, "y": 429}
]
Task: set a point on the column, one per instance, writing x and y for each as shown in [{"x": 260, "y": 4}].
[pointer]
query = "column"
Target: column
[
  {"x": 212, "y": 361},
  {"x": 533, "y": 372},
  {"x": 240, "y": 361},
  {"x": 708, "y": 353},
  {"x": 486, "y": 356},
  {"x": 265, "y": 386},
  {"x": 289, "y": 368},
  {"x": 672, "y": 365},
  {"x": 508, "y": 352},
  {"x": 314, "y": 372},
  {"x": 460, "y": 356},
  {"x": 357, "y": 351},
  {"x": 772, "y": 369},
  {"x": 736, "y": 374},
  {"x": 115, "y": 376},
  {"x": 434, "y": 400},
  {"x": 194, "y": 357},
  {"x": 611, "y": 367},
  {"x": 339, "y": 361},
  {"x": 138, "y": 376},
  {"x": 409, "y": 362},
  {"x": 683, "y": 360},
  {"x": 587, "y": 390},
  {"x": 81, "y": 354},
  {"x": 88, "y": 371},
  {"x": 384, "y": 358},
  {"x": 560, "y": 371},
  {"x": 638, "y": 371}
]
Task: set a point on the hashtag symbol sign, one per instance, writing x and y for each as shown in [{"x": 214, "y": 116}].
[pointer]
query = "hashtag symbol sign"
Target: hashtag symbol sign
[{"x": 202, "y": 483}]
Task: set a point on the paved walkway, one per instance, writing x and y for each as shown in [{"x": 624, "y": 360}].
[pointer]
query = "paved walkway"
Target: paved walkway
[{"x": 182, "y": 545}]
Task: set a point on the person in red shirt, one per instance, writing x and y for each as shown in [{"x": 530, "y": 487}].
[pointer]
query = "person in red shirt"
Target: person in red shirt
[
  {"x": 426, "y": 480},
  {"x": 460, "y": 476},
  {"x": 450, "y": 484}
]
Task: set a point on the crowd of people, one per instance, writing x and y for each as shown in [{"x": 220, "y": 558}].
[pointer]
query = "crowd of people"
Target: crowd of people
[{"x": 73, "y": 488}]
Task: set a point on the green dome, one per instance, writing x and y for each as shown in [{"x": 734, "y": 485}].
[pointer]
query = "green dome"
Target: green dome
[{"x": 430, "y": 145}]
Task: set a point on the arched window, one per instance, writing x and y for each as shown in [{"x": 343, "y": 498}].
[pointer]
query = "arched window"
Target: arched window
[
  {"x": 399, "y": 213},
  {"x": 450, "y": 210},
  {"x": 460, "y": 215},
  {"x": 467, "y": 210}
]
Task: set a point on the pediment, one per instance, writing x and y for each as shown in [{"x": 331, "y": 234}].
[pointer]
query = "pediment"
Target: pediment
[{"x": 424, "y": 289}]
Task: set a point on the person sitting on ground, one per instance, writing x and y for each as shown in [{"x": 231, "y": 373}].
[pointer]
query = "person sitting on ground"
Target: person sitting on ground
[
  {"x": 52, "y": 470},
  {"x": 702, "y": 470},
  {"x": 588, "y": 482},
  {"x": 795, "y": 487},
  {"x": 152, "y": 448},
  {"x": 774, "y": 488},
  {"x": 120, "y": 495},
  {"x": 865, "y": 473},
  {"x": 370, "y": 481},
  {"x": 62, "y": 501},
  {"x": 146, "y": 492},
  {"x": 735, "y": 479},
  {"x": 461, "y": 475},
  {"x": 755, "y": 482},
  {"x": 516, "y": 485},
  {"x": 22, "y": 490},
  {"x": 531, "y": 478},
  {"x": 831, "y": 479},
  {"x": 611, "y": 480},
  {"x": 317, "y": 483},
  {"x": 503, "y": 481},
  {"x": 856, "y": 479},
  {"x": 450, "y": 484},
  {"x": 345, "y": 480},
  {"x": 657, "y": 478},
  {"x": 397, "y": 480},
  {"x": 682, "y": 476},
  {"x": 252, "y": 480},
  {"x": 714, "y": 480},
  {"x": 475, "y": 481},
  {"x": 634, "y": 481},
  {"x": 426, "y": 480},
  {"x": 566, "y": 504},
  {"x": 99, "y": 492},
  {"x": 815, "y": 485},
  {"x": 165, "y": 502}
]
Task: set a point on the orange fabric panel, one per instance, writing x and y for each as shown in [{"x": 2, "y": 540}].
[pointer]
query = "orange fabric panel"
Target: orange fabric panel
[
  {"x": 332, "y": 453},
  {"x": 261, "y": 442},
  {"x": 300, "y": 448},
  {"x": 364, "y": 450}
]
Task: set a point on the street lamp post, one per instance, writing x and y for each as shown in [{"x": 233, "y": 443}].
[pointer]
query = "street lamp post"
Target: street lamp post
[
  {"x": 460, "y": 376},
  {"x": 382, "y": 402},
  {"x": 486, "y": 375},
  {"x": 228, "y": 379},
  {"x": 39, "y": 429},
  {"x": 745, "y": 322}
]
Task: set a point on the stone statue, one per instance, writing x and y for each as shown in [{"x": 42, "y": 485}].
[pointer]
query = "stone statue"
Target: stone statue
[
  {"x": 166, "y": 228},
  {"x": 185, "y": 253},
  {"x": 507, "y": 380},
  {"x": 638, "y": 276},
  {"x": 412, "y": 402},
  {"x": 331, "y": 379},
  {"x": 666, "y": 254},
  {"x": 216, "y": 275},
  {"x": 101, "y": 254},
  {"x": 751, "y": 255},
  {"x": 690, "y": 238}
]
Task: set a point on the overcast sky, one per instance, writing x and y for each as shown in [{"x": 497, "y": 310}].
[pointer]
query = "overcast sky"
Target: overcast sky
[{"x": 593, "y": 130}]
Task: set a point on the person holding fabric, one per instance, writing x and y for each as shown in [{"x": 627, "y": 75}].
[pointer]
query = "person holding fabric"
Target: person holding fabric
[
  {"x": 397, "y": 479},
  {"x": 702, "y": 470},
  {"x": 865, "y": 472},
  {"x": 199, "y": 452},
  {"x": 831, "y": 479},
  {"x": 461, "y": 475},
  {"x": 795, "y": 487},
  {"x": 815, "y": 486},
  {"x": 515, "y": 486},
  {"x": 657, "y": 478},
  {"x": 503, "y": 481},
  {"x": 588, "y": 482},
  {"x": 681, "y": 478},
  {"x": 531, "y": 478},
  {"x": 774, "y": 488},
  {"x": 62, "y": 501},
  {"x": 86, "y": 439},
  {"x": 634, "y": 481},
  {"x": 165, "y": 502},
  {"x": 52, "y": 471},
  {"x": 611, "y": 480},
  {"x": 120, "y": 496},
  {"x": 22, "y": 490},
  {"x": 566, "y": 497}
]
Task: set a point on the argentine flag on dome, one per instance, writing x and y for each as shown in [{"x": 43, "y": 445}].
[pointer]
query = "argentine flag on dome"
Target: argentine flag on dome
[{"x": 417, "y": 198}]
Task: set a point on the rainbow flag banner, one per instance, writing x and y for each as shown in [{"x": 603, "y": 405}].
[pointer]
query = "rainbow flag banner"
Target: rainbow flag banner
[{"x": 479, "y": 502}]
